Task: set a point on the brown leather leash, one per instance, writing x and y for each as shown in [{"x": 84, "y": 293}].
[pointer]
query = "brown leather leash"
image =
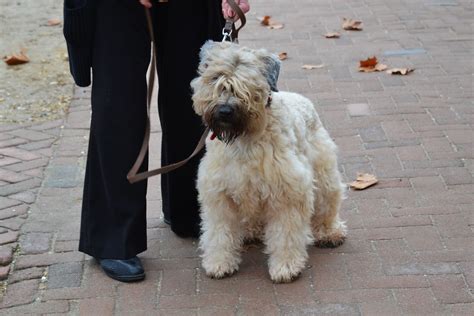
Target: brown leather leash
[{"x": 229, "y": 32}]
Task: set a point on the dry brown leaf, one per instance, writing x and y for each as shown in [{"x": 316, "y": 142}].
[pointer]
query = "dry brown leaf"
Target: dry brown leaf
[
  {"x": 351, "y": 25},
  {"x": 16, "y": 59},
  {"x": 53, "y": 22},
  {"x": 309, "y": 67},
  {"x": 378, "y": 67},
  {"x": 275, "y": 26},
  {"x": 371, "y": 65},
  {"x": 283, "y": 55},
  {"x": 400, "y": 71},
  {"x": 332, "y": 35},
  {"x": 369, "y": 62},
  {"x": 265, "y": 20},
  {"x": 269, "y": 23},
  {"x": 363, "y": 181}
]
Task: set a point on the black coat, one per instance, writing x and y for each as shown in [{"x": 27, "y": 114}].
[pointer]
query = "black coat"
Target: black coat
[
  {"x": 111, "y": 37},
  {"x": 79, "y": 26}
]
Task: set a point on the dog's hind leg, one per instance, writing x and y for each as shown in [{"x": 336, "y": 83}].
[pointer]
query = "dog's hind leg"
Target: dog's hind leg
[
  {"x": 222, "y": 236},
  {"x": 287, "y": 234}
]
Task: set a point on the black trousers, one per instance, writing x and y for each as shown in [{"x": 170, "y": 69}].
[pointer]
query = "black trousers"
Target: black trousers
[{"x": 113, "y": 223}]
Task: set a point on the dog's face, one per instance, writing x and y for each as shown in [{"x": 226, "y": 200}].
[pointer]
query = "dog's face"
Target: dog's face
[{"x": 233, "y": 87}]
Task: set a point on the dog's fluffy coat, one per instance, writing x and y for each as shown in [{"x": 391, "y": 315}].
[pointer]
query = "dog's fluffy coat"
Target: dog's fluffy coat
[{"x": 274, "y": 177}]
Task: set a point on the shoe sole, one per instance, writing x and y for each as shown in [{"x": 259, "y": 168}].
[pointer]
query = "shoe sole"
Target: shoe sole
[{"x": 127, "y": 279}]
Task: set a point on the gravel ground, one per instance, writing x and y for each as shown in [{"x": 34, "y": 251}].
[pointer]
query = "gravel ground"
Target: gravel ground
[{"x": 39, "y": 90}]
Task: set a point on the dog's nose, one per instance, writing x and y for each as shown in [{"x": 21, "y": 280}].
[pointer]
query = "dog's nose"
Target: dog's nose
[{"x": 225, "y": 111}]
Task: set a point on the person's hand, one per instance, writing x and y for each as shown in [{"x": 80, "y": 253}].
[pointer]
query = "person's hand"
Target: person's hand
[
  {"x": 229, "y": 13},
  {"x": 146, "y": 3}
]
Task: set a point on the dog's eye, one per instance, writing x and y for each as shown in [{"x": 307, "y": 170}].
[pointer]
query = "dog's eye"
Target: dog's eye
[{"x": 215, "y": 78}]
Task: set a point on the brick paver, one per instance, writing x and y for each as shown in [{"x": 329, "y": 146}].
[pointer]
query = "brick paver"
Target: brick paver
[{"x": 410, "y": 246}]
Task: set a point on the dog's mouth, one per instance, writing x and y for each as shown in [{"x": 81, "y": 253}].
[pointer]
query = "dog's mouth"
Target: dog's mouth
[
  {"x": 226, "y": 128},
  {"x": 226, "y": 132}
]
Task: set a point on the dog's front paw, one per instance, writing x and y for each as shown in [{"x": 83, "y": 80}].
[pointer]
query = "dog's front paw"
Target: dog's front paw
[
  {"x": 330, "y": 238},
  {"x": 285, "y": 272},
  {"x": 219, "y": 270},
  {"x": 330, "y": 242}
]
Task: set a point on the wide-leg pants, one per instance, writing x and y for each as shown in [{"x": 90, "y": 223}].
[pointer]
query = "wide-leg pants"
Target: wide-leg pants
[{"x": 113, "y": 223}]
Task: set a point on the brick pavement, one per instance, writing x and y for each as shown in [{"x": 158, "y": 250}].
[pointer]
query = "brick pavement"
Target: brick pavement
[{"x": 410, "y": 245}]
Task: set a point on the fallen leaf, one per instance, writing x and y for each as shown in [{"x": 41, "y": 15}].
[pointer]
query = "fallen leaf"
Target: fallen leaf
[
  {"x": 378, "y": 67},
  {"x": 369, "y": 62},
  {"x": 275, "y": 26},
  {"x": 400, "y": 71},
  {"x": 351, "y": 25},
  {"x": 363, "y": 181},
  {"x": 282, "y": 55},
  {"x": 332, "y": 35},
  {"x": 53, "y": 22},
  {"x": 309, "y": 67},
  {"x": 269, "y": 23},
  {"x": 371, "y": 65},
  {"x": 16, "y": 59},
  {"x": 265, "y": 20}
]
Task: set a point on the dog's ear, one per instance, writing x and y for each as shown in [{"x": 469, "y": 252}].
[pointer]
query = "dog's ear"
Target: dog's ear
[{"x": 271, "y": 68}]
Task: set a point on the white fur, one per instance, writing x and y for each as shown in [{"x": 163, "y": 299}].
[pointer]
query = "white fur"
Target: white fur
[{"x": 281, "y": 185}]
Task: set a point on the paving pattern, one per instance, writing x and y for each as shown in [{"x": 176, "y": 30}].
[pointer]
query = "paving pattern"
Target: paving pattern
[{"x": 410, "y": 246}]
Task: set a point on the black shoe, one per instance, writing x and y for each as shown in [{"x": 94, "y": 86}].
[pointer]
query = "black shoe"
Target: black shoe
[
  {"x": 186, "y": 232},
  {"x": 128, "y": 270}
]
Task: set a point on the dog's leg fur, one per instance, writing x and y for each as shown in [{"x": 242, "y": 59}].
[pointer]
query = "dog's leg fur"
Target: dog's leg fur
[
  {"x": 222, "y": 237},
  {"x": 287, "y": 234},
  {"x": 328, "y": 229}
]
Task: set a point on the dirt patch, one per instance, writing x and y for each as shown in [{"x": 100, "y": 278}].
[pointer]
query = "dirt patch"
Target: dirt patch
[{"x": 41, "y": 89}]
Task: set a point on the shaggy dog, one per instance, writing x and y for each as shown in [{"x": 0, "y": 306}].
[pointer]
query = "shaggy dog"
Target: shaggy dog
[{"x": 271, "y": 174}]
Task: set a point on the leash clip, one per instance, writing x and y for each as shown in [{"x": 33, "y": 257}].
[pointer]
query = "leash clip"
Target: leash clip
[{"x": 227, "y": 31}]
